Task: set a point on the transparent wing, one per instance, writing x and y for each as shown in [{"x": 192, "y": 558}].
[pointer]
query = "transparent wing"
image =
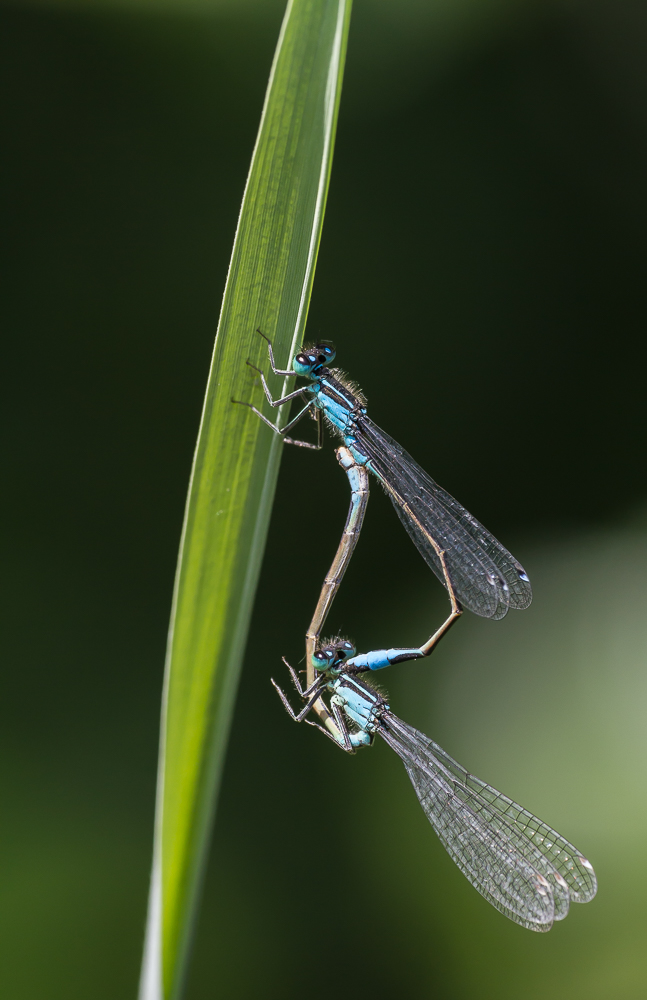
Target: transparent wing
[
  {"x": 492, "y": 839},
  {"x": 563, "y": 858},
  {"x": 486, "y": 577}
]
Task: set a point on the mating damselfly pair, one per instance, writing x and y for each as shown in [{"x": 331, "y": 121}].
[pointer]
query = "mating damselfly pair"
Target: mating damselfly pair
[{"x": 518, "y": 863}]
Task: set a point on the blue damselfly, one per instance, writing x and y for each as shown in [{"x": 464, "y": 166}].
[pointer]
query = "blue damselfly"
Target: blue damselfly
[
  {"x": 523, "y": 867},
  {"x": 479, "y": 573}
]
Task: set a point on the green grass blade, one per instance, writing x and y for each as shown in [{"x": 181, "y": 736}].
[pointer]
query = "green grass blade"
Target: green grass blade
[{"x": 236, "y": 465}]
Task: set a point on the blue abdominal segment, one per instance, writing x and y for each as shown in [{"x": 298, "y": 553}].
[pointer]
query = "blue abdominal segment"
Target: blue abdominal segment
[
  {"x": 361, "y": 705},
  {"x": 380, "y": 658}
]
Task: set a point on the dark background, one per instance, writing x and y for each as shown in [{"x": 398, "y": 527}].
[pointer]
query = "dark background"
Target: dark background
[{"x": 482, "y": 273}]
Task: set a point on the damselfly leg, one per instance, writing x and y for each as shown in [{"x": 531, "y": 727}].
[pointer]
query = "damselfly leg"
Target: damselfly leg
[
  {"x": 277, "y": 371},
  {"x": 337, "y": 730},
  {"x": 298, "y": 393}
]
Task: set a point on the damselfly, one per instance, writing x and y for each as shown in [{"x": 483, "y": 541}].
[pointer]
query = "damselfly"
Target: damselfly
[
  {"x": 476, "y": 569},
  {"x": 525, "y": 869}
]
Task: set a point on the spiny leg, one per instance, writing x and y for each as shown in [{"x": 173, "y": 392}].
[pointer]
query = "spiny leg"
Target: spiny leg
[
  {"x": 277, "y": 371},
  {"x": 281, "y": 431},
  {"x": 304, "y": 711},
  {"x": 286, "y": 704},
  {"x": 268, "y": 394},
  {"x": 316, "y": 415},
  {"x": 342, "y": 727},
  {"x": 297, "y": 717},
  {"x": 327, "y": 733},
  {"x": 343, "y": 742},
  {"x": 297, "y": 683}
]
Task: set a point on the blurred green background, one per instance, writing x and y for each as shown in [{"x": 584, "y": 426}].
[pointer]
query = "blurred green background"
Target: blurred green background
[{"x": 482, "y": 273}]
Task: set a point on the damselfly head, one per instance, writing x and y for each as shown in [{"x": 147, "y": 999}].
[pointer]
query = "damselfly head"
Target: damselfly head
[
  {"x": 331, "y": 657},
  {"x": 309, "y": 359}
]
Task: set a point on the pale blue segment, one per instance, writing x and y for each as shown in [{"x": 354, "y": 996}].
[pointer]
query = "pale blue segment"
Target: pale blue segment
[
  {"x": 356, "y": 700},
  {"x": 357, "y": 740},
  {"x": 377, "y": 659}
]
